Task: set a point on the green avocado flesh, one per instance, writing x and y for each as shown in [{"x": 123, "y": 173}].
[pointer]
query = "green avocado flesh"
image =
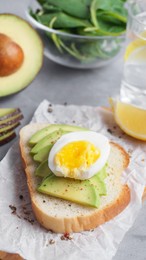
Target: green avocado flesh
[
  {"x": 24, "y": 35},
  {"x": 7, "y": 137},
  {"x": 50, "y": 129},
  {"x": 8, "y": 128},
  {"x": 84, "y": 192},
  {"x": 95, "y": 182},
  {"x": 6, "y": 111},
  {"x": 48, "y": 140},
  {"x": 70, "y": 189},
  {"x": 11, "y": 120},
  {"x": 98, "y": 184},
  {"x": 43, "y": 170},
  {"x": 43, "y": 154}
]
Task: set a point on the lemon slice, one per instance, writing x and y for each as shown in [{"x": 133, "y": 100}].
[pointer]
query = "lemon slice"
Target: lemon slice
[
  {"x": 131, "y": 119},
  {"x": 136, "y": 50}
]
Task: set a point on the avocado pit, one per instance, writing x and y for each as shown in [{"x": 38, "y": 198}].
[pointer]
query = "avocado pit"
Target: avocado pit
[{"x": 11, "y": 56}]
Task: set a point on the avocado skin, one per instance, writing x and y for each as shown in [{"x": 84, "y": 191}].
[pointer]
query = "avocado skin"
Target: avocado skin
[
  {"x": 12, "y": 86},
  {"x": 50, "y": 129},
  {"x": 8, "y": 112},
  {"x": 8, "y": 128},
  {"x": 11, "y": 120},
  {"x": 77, "y": 191},
  {"x": 7, "y": 137}
]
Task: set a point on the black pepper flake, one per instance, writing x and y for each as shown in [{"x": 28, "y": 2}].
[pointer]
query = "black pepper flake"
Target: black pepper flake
[
  {"x": 51, "y": 241},
  {"x": 65, "y": 103},
  {"x": 120, "y": 136},
  {"x": 31, "y": 221},
  {"x": 69, "y": 205},
  {"x": 26, "y": 212},
  {"x": 50, "y": 110},
  {"x": 110, "y": 131},
  {"x": 50, "y": 105},
  {"x": 21, "y": 197},
  {"x": 44, "y": 201},
  {"x": 13, "y": 208},
  {"x": 74, "y": 121}
]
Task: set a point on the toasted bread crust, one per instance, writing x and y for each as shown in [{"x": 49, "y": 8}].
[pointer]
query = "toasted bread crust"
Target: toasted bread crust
[
  {"x": 79, "y": 222},
  {"x": 82, "y": 223}
]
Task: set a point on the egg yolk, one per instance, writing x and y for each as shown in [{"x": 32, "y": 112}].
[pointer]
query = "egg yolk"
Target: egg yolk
[{"x": 77, "y": 155}]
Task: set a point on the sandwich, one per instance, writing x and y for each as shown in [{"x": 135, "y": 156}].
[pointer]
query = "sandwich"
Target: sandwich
[{"x": 73, "y": 176}]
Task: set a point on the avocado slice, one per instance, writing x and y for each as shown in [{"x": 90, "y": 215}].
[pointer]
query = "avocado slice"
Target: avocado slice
[
  {"x": 81, "y": 192},
  {"x": 102, "y": 174},
  {"x": 98, "y": 184},
  {"x": 43, "y": 170},
  {"x": 43, "y": 154},
  {"x": 8, "y": 112},
  {"x": 24, "y": 36},
  {"x": 98, "y": 181},
  {"x": 8, "y": 128},
  {"x": 7, "y": 137},
  {"x": 10, "y": 121},
  {"x": 50, "y": 129},
  {"x": 48, "y": 140}
]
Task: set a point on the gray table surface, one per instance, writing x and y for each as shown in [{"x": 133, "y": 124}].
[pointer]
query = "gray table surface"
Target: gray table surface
[{"x": 59, "y": 84}]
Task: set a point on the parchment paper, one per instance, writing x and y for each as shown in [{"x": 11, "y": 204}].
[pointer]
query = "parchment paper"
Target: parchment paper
[{"x": 20, "y": 232}]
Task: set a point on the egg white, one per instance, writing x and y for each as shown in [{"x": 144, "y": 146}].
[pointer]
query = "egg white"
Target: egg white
[{"x": 100, "y": 141}]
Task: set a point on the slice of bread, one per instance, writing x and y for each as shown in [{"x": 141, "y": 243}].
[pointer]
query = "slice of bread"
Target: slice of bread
[{"x": 63, "y": 216}]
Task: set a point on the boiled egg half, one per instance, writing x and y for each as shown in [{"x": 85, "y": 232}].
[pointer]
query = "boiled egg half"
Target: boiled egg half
[{"x": 79, "y": 155}]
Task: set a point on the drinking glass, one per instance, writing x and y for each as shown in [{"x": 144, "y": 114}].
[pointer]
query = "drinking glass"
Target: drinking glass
[{"x": 133, "y": 85}]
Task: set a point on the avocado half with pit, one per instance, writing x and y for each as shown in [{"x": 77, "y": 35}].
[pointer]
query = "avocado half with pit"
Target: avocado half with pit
[{"x": 21, "y": 54}]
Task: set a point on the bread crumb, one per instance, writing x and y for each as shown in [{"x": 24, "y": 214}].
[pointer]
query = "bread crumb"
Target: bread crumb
[
  {"x": 50, "y": 110},
  {"x": 66, "y": 236},
  {"x": 130, "y": 151}
]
